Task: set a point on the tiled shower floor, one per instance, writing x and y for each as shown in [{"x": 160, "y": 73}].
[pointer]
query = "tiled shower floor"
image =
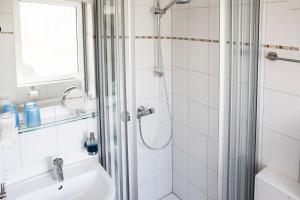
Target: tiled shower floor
[{"x": 171, "y": 197}]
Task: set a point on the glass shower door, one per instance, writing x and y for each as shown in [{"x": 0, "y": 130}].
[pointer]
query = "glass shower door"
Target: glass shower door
[
  {"x": 239, "y": 63},
  {"x": 112, "y": 89}
]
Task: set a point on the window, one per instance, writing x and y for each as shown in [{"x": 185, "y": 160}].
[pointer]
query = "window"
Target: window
[{"x": 49, "y": 42}]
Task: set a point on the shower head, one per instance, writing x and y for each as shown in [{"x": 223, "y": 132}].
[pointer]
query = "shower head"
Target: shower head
[{"x": 169, "y": 5}]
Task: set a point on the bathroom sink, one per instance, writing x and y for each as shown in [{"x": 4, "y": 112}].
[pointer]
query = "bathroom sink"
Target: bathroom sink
[{"x": 82, "y": 181}]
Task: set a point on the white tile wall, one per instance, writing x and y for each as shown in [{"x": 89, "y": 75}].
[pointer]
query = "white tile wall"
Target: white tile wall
[
  {"x": 34, "y": 152},
  {"x": 180, "y": 186},
  {"x": 180, "y": 53},
  {"x": 198, "y": 56},
  {"x": 6, "y": 6},
  {"x": 180, "y": 23},
  {"x": 288, "y": 31},
  {"x": 279, "y": 90},
  {"x": 198, "y": 22},
  {"x": 195, "y": 100},
  {"x": 154, "y": 167}
]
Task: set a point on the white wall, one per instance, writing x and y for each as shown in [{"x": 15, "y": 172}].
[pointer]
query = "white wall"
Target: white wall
[
  {"x": 195, "y": 61},
  {"x": 154, "y": 167},
  {"x": 35, "y": 151},
  {"x": 279, "y": 115}
]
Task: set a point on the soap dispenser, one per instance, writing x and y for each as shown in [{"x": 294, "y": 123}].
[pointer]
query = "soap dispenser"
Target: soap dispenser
[{"x": 91, "y": 144}]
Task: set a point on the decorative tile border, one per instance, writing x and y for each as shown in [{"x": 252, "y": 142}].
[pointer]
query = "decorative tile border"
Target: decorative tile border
[
  {"x": 271, "y": 46},
  {"x": 177, "y": 38},
  {"x": 6, "y": 33}
]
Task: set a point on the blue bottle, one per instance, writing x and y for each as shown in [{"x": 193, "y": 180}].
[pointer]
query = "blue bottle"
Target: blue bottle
[
  {"x": 32, "y": 116},
  {"x": 91, "y": 145}
]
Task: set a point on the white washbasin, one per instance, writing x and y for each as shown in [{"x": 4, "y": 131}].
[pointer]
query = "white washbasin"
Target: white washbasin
[{"x": 82, "y": 181}]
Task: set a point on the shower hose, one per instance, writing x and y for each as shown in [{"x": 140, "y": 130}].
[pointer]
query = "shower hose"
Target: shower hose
[{"x": 160, "y": 70}]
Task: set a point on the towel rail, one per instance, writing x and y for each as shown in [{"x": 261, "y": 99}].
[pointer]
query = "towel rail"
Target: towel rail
[{"x": 273, "y": 57}]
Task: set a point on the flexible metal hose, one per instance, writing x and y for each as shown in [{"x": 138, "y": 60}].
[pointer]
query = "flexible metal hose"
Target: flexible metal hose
[{"x": 161, "y": 69}]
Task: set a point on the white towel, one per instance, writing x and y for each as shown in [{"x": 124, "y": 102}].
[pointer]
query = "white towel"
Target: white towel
[{"x": 8, "y": 131}]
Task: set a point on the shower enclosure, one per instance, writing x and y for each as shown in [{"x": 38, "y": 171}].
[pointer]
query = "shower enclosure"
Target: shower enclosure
[{"x": 178, "y": 83}]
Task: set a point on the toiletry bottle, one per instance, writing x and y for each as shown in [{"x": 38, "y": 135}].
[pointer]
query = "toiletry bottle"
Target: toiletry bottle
[{"x": 91, "y": 145}]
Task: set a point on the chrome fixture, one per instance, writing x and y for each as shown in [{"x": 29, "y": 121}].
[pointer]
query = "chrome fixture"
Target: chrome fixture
[
  {"x": 75, "y": 99},
  {"x": 142, "y": 111},
  {"x": 161, "y": 11},
  {"x": 2, "y": 191},
  {"x": 58, "y": 162},
  {"x": 273, "y": 57},
  {"x": 158, "y": 73}
]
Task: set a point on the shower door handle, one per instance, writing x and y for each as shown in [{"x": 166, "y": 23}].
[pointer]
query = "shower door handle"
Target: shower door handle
[{"x": 125, "y": 116}]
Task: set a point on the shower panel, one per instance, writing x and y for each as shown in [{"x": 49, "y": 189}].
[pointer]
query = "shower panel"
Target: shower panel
[
  {"x": 195, "y": 110},
  {"x": 239, "y": 77}
]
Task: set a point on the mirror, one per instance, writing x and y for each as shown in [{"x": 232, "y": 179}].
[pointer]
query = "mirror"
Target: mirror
[{"x": 54, "y": 48}]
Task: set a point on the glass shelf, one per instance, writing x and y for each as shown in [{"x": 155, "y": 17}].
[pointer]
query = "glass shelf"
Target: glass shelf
[{"x": 55, "y": 122}]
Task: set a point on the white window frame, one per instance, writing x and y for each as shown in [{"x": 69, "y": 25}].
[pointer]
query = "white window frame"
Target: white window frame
[{"x": 23, "y": 82}]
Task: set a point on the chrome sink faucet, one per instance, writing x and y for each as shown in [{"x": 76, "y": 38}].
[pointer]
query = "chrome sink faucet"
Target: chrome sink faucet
[
  {"x": 2, "y": 191},
  {"x": 58, "y": 162}
]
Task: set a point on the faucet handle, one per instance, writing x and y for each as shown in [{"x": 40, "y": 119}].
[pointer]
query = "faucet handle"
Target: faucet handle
[
  {"x": 2, "y": 187},
  {"x": 58, "y": 161},
  {"x": 2, "y": 192}
]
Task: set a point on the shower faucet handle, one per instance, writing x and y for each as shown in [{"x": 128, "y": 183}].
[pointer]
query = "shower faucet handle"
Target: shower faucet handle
[
  {"x": 2, "y": 191},
  {"x": 143, "y": 111}
]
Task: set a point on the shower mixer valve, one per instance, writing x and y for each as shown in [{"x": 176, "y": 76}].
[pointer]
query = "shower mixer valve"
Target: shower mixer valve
[{"x": 142, "y": 111}]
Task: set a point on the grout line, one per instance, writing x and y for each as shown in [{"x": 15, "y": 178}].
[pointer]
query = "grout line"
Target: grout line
[
  {"x": 203, "y": 104},
  {"x": 169, "y": 195},
  {"x": 162, "y": 198},
  {"x": 280, "y": 133},
  {"x": 190, "y": 183},
  {"x": 177, "y": 196},
  {"x": 190, "y": 156},
  {"x": 207, "y": 136},
  {"x": 188, "y": 108},
  {"x": 192, "y": 70},
  {"x": 208, "y": 102},
  {"x": 280, "y": 91},
  {"x": 155, "y": 178}
]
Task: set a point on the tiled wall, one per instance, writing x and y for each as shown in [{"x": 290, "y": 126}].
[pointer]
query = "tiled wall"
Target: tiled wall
[
  {"x": 154, "y": 167},
  {"x": 279, "y": 127},
  {"x": 34, "y": 151},
  {"x": 195, "y": 61},
  {"x": 8, "y": 77}
]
